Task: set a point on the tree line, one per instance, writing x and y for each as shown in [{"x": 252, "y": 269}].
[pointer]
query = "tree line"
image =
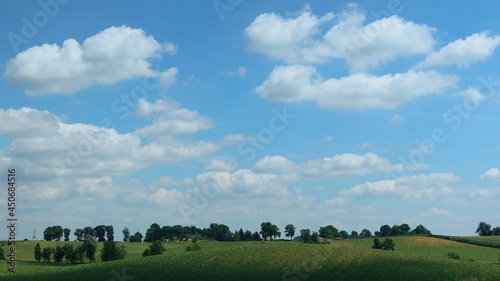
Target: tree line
[{"x": 484, "y": 229}]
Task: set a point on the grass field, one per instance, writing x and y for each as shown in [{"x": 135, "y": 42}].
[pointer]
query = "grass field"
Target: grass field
[{"x": 415, "y": 258}]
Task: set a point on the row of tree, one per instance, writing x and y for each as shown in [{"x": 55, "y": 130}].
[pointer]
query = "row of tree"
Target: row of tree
[{"x": 484, "y": 229}]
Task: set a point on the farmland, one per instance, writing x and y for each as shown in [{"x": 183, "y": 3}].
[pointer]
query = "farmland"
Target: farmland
[{"x": 415, "y": 258}]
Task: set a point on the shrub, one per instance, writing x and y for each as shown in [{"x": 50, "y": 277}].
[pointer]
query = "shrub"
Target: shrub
[
  {"x": 78, "y": 254},
  {"x": 377, "y": 244},
  {"x": 146, "y": 253},
  {"x": 157, "y": 248},
  {"x": 196, "y": 247},
  {"x": 46, "y": 254},
  {"x": 112, "y": 251},
  {"x": 2, "y": 254},
  {"x": 453, "y": 255},
  {"x": 58, "y": 254},
  {"x": 89, "y": 247},
  {"x": 37, "y": 252},
  {"x": 188, "y": 248},
  {"x": 388, "y": 245}
]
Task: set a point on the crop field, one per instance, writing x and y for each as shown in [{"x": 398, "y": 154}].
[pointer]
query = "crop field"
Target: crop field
[{"x": 415, "y": 258}]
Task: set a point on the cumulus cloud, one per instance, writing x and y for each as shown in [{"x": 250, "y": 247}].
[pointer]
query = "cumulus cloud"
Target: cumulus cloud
[
  {"x": 492, "y": 174},
  {"x": 27, "y": 122},
  {"x": 219, "y": 165},
  {"x": 170, "y": 119},
  {"x": 330, "y": 167},
  {"x": 472, "y": 94},
  {"x": 308, "y": 38},
  {"x": 114, "y": 54},
  {"x": 293, "y": 83},
  {"x": 435, "y": 212},
  {"x": 463, "y": 52}
]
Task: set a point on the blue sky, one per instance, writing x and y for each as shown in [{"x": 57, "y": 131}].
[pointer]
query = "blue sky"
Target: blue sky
[{"x": 236, "y": 112}]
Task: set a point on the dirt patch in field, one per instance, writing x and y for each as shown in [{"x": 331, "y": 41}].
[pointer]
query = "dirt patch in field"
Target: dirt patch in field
[{"x": 434, "y": 242}]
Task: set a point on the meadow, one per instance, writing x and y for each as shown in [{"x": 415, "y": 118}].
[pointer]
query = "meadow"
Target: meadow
[{"x": 415, "y": 258}]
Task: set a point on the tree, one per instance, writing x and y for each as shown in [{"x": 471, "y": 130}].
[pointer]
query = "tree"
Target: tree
[
  {"x": 126, "y": 234},
  {"x": 329, "y": 232},
  {"x": 396, "y": 230},
  {"x": 256, "y": 236},
  {"x": 344, "y": 234},
  {"x": 88, "y": 230},
  {"x": 241, "y": 234},
  {"x": 110, "y": 233},
  {"x": 112, "y": 251},
  {"x": 46, "y": 254},
  {"x": 58, "y": 254},
  {"x": 156, "y": 248},
  {"x": 154, "y": 233},
  {"x": 2, "y": 254},
  {"x": 290, "y": 231},
  {"x": 89, "y": 247},
  {"x": 405, "y": 228},
  {"x": 420, "y": 229},
  {"x": 354, "y": 234},
  {"x": 388, "y": 244},
  {"x": 237, "y": 236},
  {"x": 366, "y": 233},
  {"x": 78, "y": 254},
  {"x": 66, "y": 232},
  {"x": 48, "y": 234},
  {"x": 266, "y": 230},
  {"x": 79, "y": 234},
  {"x": 248, "y": 235},
  {"x": 377, "y": 244},
  {"x": 37, "y": 252},
  {"x": 315, "y": 237},
  {"x": 496, "y": 230},
  {"x": 100, "y": 232},
  {"x": 219, "y": 232},
  {"x": 137, "y": 237},
  {"x": 385, "y": 230},
  {"x": 305, "y": 235},
  {"x": 484, "y": 229},
  {"x": 378, "y": 234},
  {"x": 69, "y": 253},
  {"x": 57, "y": 232},
  {"x": 275, "y": 231}
]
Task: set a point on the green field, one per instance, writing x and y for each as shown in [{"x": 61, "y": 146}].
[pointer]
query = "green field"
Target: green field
[{"x": 415, "y": 258}]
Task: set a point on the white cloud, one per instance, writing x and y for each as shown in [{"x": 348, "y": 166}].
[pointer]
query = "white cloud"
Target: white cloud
[
  {"x": 362, "y": 91},
  {"x": 241, "y": 72},
  {"x": 463, "y": 52},
  {"x": 330, "y": 167},
  {"x": 435, "y": 212},
  {"x": 114, "y": 54},
  {"x": 396, "y": 118},
  {"x": 492, "y": 174},
  {"x": 168, "y": 77},
  {"x": 302, "y": 39},
  {"x": 170, "y": 181},
  {"x": 170, "y": 119},
  {"x": 234, "y": 139},
  {"x": 327, "y": 139},
  {"x": 472, "y": 94},
  {"x": 218, "y": 165},
  {"x": 27, "y": 122}
]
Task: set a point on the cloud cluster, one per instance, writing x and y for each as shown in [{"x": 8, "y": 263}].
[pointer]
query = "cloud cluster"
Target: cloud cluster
[{"x": 114, "y": 54}]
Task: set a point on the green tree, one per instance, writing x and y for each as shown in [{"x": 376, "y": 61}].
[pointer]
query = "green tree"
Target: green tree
[
  {"x": 78, "y": 254},
  {"x": 157, "y": 248},
  {"x": 48, "y": 234},
  {"x": 315, "y": 237},
  {"x": 100, "y": 232},
  {"x": 266, "y": 230},
  {"x": 79, "y": 234},
  {"x": 58, "y": 254},
  {"x": 112, "y": 251},
  {"x": 256, "y": 236},
  {"x": 126, "y": 234},
  {"x": 420, "y": 229},
  {"x": 405, "y": 228},
  {"x": 377, "y": 244},
  {"x": 154, "y": 233},
  {"x": 37, "y": 252},
  {"x": 385, "y": 230},
  {"x": 237, "y": 236},
  {"x": 248, "y": 235},
  {"x": 242, "y": 234},
  {"x": 275, "y": 231},
  {"x": 66, "y": 232},
  {"x": 496, "y": 230},
  {"x": 329, "y": 232},
  {"x": 305, "y": 235},
  {"x": 388, "y": 244},
  {"x": 344, "y": 234},
  {"x": 89, "y": 247},
  {"x": 396, "y": 230},
  {"x": 2, "y": 254},
  {"x": 137, "y": 237},
  {"x": 366, "y": 233},
  {"x": 69, "y": 253},
  {"x": 57, "y": 232},
  {"x": 484, "y": 229},
  {"x": 354, "y": 234},
  {"x": 290, "y": 231},
  {"x": 88, "y": 230},
  {"x": 110, "y": 233},
  {"x": 47, "y": 254}
]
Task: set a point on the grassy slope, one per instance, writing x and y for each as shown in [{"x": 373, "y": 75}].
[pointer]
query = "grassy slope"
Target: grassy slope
[{"x": 415, "y": 258}]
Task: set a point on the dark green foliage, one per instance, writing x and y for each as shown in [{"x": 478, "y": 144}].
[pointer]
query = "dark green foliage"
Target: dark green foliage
[
  {"x": 453, "y": 255},
  {"x": 112, "y": 251},
  {"x": 315, "y": 237},
  {"x": 47, "y": 254},
  {"x": 88, "y": 230},
  {"x": 100, "y": 232},
  {"x": 366, "y": 233},
  {"x": 89, "y": 247},
  {"x": 256, "y": 236},
  {"x": 110, "y": 233},
  {"x": 157, "y": 248},
  {"x": 146, "y": 253},
  {"x": 329, "y": 232},
  {"x": 269, "y": 230},
  {"x": 290, "y": 231},
  {"x": 2, "y": 254},
  {"x": 344, "y": 234},
  {"x": 248, "y": 235},
  {"x": 79, "y": 234},
  {"x": 388, "y": 245},
  {"x": 242, "y": 234},
  {"x": 420, "y": 229},
  {"x": 137, "y": 237},
  {"x": 37, "y": 252},
  {"x": 154, "y": 233},
  {"x": 484, "y": 229},
  {"x": 354, "y": 234},
  {"x": 66, "y": 232},
  {"x": 126, "y": 234},
  {"x": 385, "y": 230},
  {"x": 496, "y": 230},
  {"x": 58, "y": 254},
  {"x": 69, "y": 253},
  {"x": 305, "y": 235},
  {"x": 194, "y": 247},
  {"x": 377, "y": 244}
]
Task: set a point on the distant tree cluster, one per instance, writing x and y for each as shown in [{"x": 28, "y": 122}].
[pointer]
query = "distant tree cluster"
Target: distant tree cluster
[
  {"x": 101, "y": 232},
  {"x": 387, "y": 245},
  {"x": 484, "y": 229},
  {"x": 404, "y": 229}
]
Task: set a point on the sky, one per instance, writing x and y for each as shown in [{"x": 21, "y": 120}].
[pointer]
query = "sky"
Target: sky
[{"x": 354, "y": 114}]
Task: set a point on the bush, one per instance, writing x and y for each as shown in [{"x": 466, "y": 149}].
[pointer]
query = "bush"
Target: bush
[
  {"x": 388, "y": 245},
  {"x": 78, "y": 254},
  {"x": 146, "y": 253},
  {"x": 46, "y": 254},
  {"x": 453, "y": 255},
  {"x": 377, "y": 244},
  {"x": 188, "y": 248},
  {"x": 58, "y": 254},
  {"x": 157, "y": 248},
  {"x": 111, "y": 251},
  {"x": 2, "y": 254}
]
